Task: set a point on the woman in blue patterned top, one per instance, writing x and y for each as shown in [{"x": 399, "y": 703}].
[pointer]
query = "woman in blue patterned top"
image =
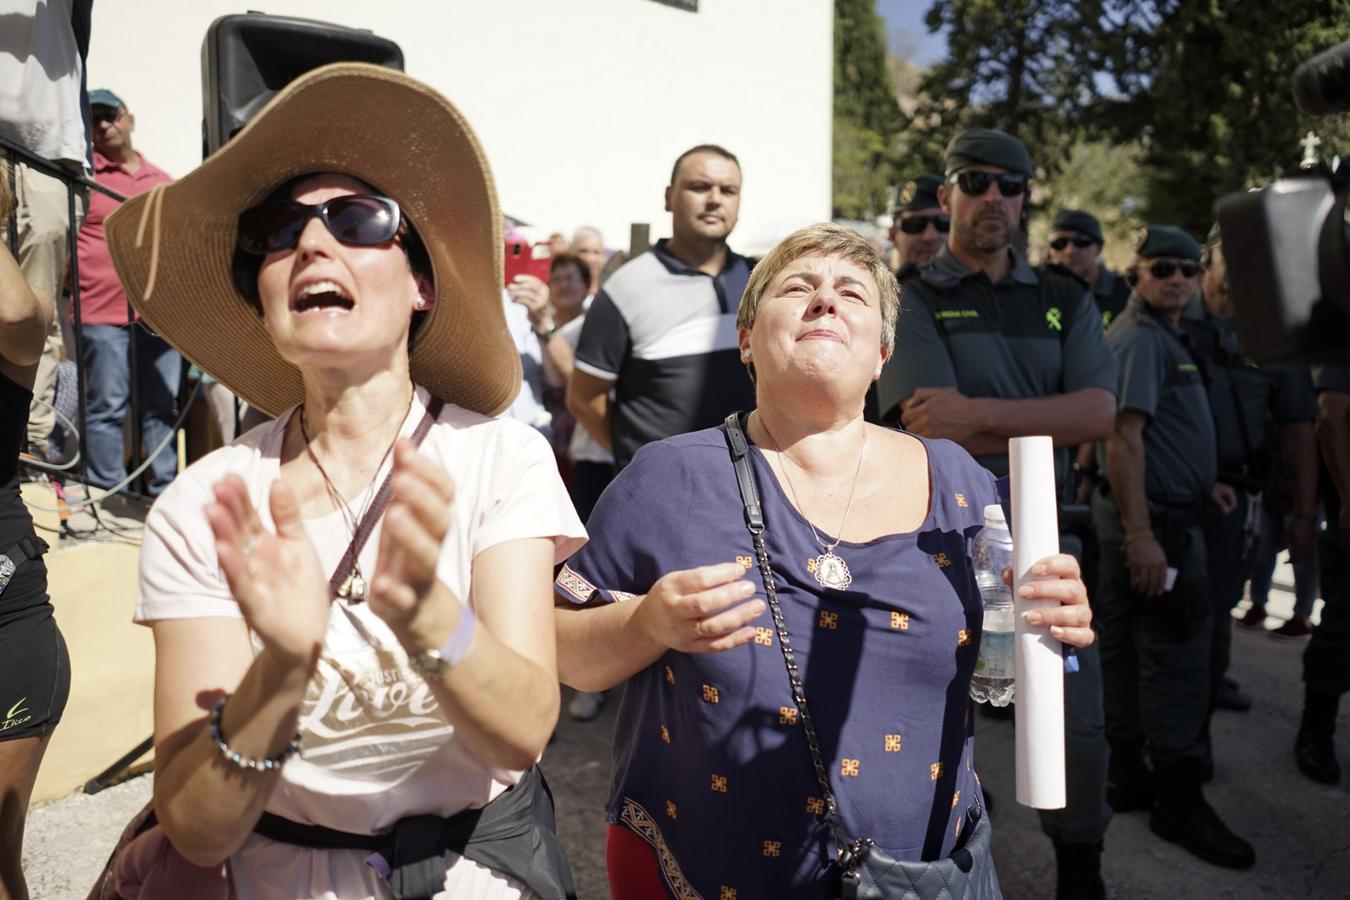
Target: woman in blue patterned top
[{"x": 868, "y": 532}]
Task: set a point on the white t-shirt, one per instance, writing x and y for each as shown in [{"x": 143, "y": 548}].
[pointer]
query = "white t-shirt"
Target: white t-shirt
[
  {"x": 40, "y": 74},
  {"x": 528, "y": 407},
  {"x": 582, "y": 447},
  {"x": 377, "y": 747}
]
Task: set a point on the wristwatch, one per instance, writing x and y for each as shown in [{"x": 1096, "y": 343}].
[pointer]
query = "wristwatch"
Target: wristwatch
[
  {"x": 433, "y": 664},
  {"x": 546, "y": 334},
  {"x": 429, "y": 664}
]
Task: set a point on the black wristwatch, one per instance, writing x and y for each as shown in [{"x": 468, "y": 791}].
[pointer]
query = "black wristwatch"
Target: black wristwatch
[{"x": 545, "y": 335}]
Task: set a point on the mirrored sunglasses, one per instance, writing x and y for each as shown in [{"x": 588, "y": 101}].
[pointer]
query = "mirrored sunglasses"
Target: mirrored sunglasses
[
  {"x": 361, "y": 220},
  {"x": 976, "y": 183},
  {"x": 1164, "y": 268},
  {"x": 919, "y": 224},
  {"x": 1078, "y": 240}
]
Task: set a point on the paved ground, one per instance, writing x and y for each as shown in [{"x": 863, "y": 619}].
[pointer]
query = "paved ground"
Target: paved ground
[{"x": 1301, "y": 829}]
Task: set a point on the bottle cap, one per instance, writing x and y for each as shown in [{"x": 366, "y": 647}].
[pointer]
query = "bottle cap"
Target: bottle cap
[{"x": 993, "y": 516}]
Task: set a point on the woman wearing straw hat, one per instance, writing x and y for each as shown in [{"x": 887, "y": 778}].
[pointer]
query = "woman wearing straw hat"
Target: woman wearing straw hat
[{"x": 327, "y": 676}]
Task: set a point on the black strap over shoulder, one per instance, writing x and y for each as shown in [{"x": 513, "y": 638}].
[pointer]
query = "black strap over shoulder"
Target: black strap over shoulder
[
  {"x": 754, "y": 523},
  {"x": 745, "y": 479}
]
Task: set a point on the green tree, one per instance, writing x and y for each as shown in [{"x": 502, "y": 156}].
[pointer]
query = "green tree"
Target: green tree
[
  {"x": 1219, "y": 116},
  {"x": 867, "y": 118},
  {"x": 1032, "y": 68},
  {"x": 1200, "y": 88}
]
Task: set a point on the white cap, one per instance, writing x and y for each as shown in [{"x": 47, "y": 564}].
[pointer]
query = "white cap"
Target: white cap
[{"x": 993, "y": 516}]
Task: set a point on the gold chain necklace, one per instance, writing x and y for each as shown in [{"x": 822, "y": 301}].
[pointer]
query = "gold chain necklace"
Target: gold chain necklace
[
  {"x": 829, "y": 568},
  {"x": 354, "y": 585}
]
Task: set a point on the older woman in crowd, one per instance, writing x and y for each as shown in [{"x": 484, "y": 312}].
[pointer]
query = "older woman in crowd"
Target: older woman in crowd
[
  {"x": 344, "y": 698},
  {"x": 865, "y": 551}
]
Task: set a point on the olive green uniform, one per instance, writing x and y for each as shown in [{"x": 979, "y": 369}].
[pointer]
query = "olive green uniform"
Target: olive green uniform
[
  {"x": 1243, "y": 398},
  {"x": 1155, "y": 650},
  {"x": 1034, "y": 334}
]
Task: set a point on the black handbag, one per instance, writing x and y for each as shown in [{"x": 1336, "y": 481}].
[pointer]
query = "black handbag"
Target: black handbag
[{"x": 866, "y": 872}]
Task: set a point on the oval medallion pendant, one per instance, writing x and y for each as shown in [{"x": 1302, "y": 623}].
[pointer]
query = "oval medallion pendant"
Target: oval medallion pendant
[{"x": 832, "y": 572}]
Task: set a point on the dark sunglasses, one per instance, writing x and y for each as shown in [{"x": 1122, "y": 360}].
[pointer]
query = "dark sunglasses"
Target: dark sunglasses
[
  {"x": 360, "y": 220},
  {"x": 976, "y": 183},
  {"x": 919, "y": 224},
  {"x": 1078, "y": 240},
  {"x": 1164, "y": 268}
]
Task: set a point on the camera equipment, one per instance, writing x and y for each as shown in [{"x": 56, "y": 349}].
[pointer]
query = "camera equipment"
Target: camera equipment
[{"x": 1286, "y": 245}]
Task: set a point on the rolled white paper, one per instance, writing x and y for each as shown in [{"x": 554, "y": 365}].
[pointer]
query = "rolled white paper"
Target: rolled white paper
[{"x": 1038, "y": 660}]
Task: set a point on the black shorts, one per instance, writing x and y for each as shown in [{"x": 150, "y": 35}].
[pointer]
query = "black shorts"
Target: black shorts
[{"x": 34, "y": 673}]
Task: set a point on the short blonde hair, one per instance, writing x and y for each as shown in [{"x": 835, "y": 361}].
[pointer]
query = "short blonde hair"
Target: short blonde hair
[{"x": 824, "y": 240}]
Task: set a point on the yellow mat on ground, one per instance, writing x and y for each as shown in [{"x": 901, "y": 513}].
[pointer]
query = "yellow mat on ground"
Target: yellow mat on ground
[{"x": 112, "y": 661}]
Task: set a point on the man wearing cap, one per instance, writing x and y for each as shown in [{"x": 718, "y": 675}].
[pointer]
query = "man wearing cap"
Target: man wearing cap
[
  {"x": 661, "y": 333},
  {"x": 989, "y": 349},
  {"x": 106, "y": 321},
  {"x": 1154, "y": 612},
  {"x": 1076, "y": 243},
  {"x": 919, "y": 226},
  {"x": 1244, "y": 397}
]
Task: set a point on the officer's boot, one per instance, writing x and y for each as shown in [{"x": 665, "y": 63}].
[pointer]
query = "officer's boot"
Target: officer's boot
[
  {"x": 1181, "y": 815},
  {"x": 1079, "y": 872},
  {"x": 1315, "y": 748},
  {"x": 1129, "y": 781}
]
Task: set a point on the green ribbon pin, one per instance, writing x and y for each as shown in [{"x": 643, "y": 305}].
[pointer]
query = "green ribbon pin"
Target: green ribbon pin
[{"x": 1052, "y": 318}]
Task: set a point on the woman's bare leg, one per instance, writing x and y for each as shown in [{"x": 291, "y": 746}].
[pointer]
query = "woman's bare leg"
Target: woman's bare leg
[{"x": 19, "y": 761}]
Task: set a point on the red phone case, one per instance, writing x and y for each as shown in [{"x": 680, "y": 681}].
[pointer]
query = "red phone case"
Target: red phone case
[{"x": 521, "y": 260}]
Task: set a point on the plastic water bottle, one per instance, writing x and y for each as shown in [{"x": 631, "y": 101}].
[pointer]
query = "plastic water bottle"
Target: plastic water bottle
[{"x": 993, "y": 679}]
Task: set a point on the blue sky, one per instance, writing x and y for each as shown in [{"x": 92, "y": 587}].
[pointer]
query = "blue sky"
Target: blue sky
[{"x": 906, "y": 16}]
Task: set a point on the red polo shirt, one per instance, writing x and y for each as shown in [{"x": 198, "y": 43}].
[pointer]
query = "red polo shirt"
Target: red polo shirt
[{"x": 102, "y": 300}]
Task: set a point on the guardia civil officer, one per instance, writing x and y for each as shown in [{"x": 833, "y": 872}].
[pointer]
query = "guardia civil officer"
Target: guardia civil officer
[
  {"x": 1161, "y": 468},
  {"x": 1076, "y": 244},
  {"x": 1243, "y": 398},
  {"x": 1326, "y": 662},
  {"x": 918, "y": 224},
  {"x": 989, "y": 349}
]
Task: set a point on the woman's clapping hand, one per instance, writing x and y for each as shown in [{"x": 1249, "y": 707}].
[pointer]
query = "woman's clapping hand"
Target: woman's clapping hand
[
  {"x": 406, "y": 593},
  {"x": 1071, "y": 621},
  {"x": 275, "y": 577}
]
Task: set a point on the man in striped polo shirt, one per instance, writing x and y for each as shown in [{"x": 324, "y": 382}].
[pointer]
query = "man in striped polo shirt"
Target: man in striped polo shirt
[{"x": 657, "y": 355}]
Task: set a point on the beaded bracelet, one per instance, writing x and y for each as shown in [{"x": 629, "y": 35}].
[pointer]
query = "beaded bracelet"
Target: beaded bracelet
[{"x": 236, "y": 758}]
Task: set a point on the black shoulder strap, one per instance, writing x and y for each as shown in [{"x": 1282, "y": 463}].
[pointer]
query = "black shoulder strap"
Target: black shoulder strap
[{"x": 745, "y": 479}]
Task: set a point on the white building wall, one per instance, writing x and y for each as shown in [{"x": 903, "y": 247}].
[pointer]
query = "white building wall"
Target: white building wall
[{"x": 582, "y": 106}]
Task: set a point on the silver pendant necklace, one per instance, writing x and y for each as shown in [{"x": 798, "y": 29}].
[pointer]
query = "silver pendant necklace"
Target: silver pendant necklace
[{"x": 829, "y": 567}]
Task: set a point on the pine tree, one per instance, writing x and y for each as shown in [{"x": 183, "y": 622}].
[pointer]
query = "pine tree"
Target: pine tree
[{"x": 867, "y": 118}]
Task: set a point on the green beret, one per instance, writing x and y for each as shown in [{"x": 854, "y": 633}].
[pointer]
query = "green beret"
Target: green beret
[
  {"x": 987, "y": 147},
  {"x": 1166, "y": 240},
  {"x": 920, "y": 192},
  {"x": 1080, "y": 221}
]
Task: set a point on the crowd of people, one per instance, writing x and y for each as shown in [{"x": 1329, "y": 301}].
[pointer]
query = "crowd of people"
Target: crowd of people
[{"x": 745, "y": 490}]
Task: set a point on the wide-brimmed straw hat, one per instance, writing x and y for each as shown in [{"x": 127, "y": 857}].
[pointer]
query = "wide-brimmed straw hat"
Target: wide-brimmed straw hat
[{"x": 173, "y": 246}]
